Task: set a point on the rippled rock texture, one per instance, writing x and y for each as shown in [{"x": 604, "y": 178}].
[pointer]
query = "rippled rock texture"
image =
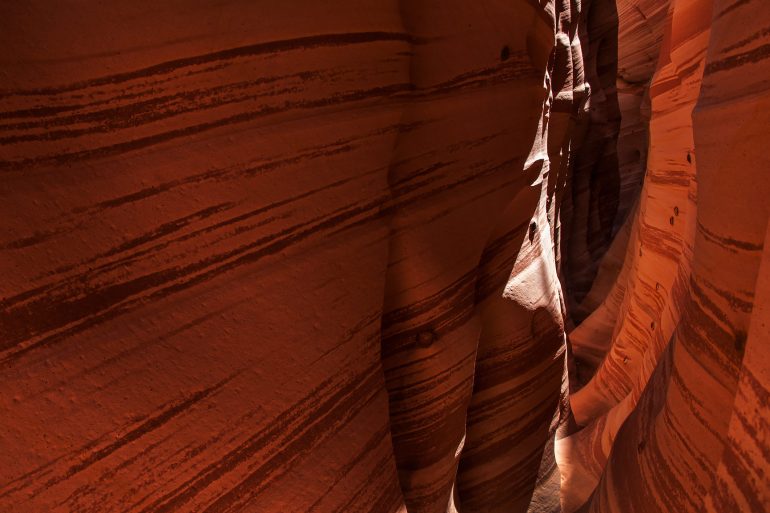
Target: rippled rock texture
[
  {"x": 267, "y": 257},
  {"x": 667, "y": 411},
  {"x": 310, "y": 256}
]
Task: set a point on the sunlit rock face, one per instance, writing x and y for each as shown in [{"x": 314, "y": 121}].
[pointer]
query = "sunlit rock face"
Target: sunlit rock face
[
  {"x": 323, "y": 256},
  {"x": 672, "y": 417}
]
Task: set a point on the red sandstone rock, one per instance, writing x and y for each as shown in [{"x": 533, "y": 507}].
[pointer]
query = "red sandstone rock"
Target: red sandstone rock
[
  {"x": 307, "y": 257},
  {"x": 194, "y": 296},
  {"x": 194, "y": 254},
  {"x": 677, "y": 349},
  {"x": 468, "y": 181}
]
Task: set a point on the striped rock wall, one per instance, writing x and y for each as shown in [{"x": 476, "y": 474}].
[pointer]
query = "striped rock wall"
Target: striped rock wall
[
  {"x": 473, "y": 337},
  {"x": 192, "y": 270},
  {"x": 281, "y": 257},
  {"x": 307, "y": 257},
  {"x": 645, "y": 309},
  {"x": 675, "y": 415},
  {"x": 736, "y": 85},
  {"x": 742, "y": 482}
]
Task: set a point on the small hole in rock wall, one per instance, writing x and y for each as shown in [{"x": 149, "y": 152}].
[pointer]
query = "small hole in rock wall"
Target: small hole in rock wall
[
  {"x": 740, "y": 342},
  {"x": 426, "y": 338}
]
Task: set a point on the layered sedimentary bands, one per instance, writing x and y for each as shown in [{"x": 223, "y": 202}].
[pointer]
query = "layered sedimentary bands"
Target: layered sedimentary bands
[
  {"x": 384, "y": 256},
  {"x": 669, "y": 342}
]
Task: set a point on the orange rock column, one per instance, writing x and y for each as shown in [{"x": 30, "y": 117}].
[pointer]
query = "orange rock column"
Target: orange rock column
[{"x": 679, "y": 436}]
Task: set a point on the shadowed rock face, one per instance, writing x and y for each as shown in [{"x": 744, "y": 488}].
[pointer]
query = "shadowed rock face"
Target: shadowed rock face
[
  {"x": 592, "y": 201},
  {"x": 468, "y": 183},
  {"x": 640, "y": 31},
  {"x": 255, "y": 254},
  {"x": 194, "y": 250},
  {"x": 309, "y": 257}
]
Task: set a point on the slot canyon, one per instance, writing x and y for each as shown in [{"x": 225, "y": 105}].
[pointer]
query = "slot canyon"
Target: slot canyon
[{"x": 385, "y": 256}]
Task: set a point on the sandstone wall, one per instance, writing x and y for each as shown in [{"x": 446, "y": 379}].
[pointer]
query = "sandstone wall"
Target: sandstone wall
[
  {"x": 670, "y": 423},
  {"x": 254, "y": 252},
  {"x": 310, "y": 256},
  {"x": 192, "y": 270}
]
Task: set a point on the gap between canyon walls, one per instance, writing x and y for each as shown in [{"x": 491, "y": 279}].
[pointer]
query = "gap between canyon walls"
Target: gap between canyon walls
[{"x": 382, "y": 256}]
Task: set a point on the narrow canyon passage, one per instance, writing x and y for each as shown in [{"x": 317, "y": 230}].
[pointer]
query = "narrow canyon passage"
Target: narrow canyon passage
[{"x": 387, "y": 256}]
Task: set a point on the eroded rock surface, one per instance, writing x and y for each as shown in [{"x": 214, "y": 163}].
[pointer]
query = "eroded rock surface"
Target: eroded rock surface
[
  {"x": 255, "y": 254},
  {"x": 311, "y": 256},
  {"x": 666, "y": 413}
]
